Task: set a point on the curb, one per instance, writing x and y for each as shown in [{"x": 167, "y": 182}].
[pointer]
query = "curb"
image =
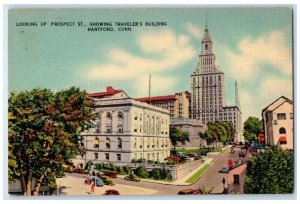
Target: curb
[{"x": 210, "y": 165}]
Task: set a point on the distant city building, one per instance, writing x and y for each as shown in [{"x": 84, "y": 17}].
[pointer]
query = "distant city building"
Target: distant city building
[
  {"x": 194, "y": 128},
  {"x": 208, "y": 91},
  {"x": 126, "y": 129},
  {"x": 278, "y": 123},
  {"x": 178, "y": 104}
]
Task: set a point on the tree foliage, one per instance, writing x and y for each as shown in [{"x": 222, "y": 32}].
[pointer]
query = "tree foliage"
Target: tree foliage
[
  {"x": 218, "y": 132},
  {"x": 141, "y": 172},
  {"x": 44, "y": 133},
  {"x": 177, "y": 135},
  {"x": 271, "y": 172},
  {"x": 252, "y": 127}
]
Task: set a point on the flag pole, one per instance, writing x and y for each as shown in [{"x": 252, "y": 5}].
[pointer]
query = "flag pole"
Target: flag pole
[{"x": 150, "y": 89}]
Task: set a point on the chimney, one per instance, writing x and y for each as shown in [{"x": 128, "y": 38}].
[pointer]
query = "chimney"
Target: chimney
[{"x": 109, "y": 89}]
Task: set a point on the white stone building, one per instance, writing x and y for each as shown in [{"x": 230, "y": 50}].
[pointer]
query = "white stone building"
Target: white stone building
[
  {"x": 278, "y": 119},
  {"x": 194, "y": 128},
  {"x": 208, "y": 91},
  {"x": 126, "y": 129}
]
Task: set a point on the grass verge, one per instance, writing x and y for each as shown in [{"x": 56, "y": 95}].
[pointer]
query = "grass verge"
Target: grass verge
[
  {"x": 200, "y": 172},
  {"x": 207, "y": 149}
]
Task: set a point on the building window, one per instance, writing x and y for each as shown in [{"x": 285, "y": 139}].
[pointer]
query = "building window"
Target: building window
[
  {"x": 106, "y": 156},
  {"x": 236, "y": 179},
  {"x": 96, "y": 155},
  {"x": 108, "y": 116},
  {"x": 291, "y": 115},
  {"x": 120, "y": 116},
  {"x": 119, "y": 143},
  {"x": 119, "y": 157},
  {"x": 281, "y": 116},
  {"x": 96, "y": 143},
  {"x": 97, "y": 126},
  {"x": 282, "y": 130},
  {"x": 108, "y": 129},
  {"x": 107, "y": 143},
  {"x": 120, "y": 129}
]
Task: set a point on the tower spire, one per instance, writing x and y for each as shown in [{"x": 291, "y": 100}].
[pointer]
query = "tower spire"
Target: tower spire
[{"x": 206, "y": 25}]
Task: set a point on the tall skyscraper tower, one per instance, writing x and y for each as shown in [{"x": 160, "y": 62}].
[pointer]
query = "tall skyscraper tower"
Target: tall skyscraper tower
[
  {"x": 208, "y": 91},
  {"x": 207, "y": 84}
]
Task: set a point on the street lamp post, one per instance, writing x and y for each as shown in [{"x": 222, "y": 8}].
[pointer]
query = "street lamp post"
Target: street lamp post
[{"x": 223, "y": 181}]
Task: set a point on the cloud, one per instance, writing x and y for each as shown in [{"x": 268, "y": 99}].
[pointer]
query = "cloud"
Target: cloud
[
  {"x": 195, "y": 31},
  {"x": 268, "y": 49},
  {"x": 169, "y": 50},
  {"x": 263, "y": 68},
  {"x": 272, "y": 88}
]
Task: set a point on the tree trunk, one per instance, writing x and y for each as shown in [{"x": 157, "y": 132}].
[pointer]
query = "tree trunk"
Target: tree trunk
[
  {"x": 28, "y": 186},
  {"x": 23, "y": 182},
  {"x": 38, "y": 185},
  {"x": 22, "y": 174}
]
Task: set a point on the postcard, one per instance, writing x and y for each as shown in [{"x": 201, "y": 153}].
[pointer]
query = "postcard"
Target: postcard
[{"x": 150, "y": 101}]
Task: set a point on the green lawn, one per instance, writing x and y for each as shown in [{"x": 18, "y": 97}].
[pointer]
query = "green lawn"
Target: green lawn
[
  {"x": 200, "y": 172},
  {"x": 163, "y": 180}
]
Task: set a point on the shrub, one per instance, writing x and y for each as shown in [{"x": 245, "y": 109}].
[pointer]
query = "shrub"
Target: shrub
[
  {"x": 88, "y": 165},
  {"x": 99, "y": 166},
  {"x": 141, "y": 172},
  {"x": 173, "y": 152},
  {"x": 167, "y": 174},
  {"x": 157, "y": 162},
  {"x": 156, "y": 174},
  {"x": 134, "y": 161},
  {"x": 171, "y": 163},
  {"x": 141, "y": 160},
  {"x": 127, "y": 169},
  {"x": 150, "y": 161},
  {"x": 122, "y": 171}
]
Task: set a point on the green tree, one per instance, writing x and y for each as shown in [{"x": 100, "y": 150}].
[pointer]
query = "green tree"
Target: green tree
[
  {"x": 177, "y": 135},
  {"x": 141, "y": 172},
  {"x": 218, "y": 132},
  {"x": 44, "y": 133},
  {"x": 156, "y": 174},
  {"x": 271, "y": 172},
  {"x": 252, "y": 127}
]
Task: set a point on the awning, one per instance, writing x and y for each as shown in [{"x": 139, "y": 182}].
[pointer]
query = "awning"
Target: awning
[{"x": 282, "y": 139}]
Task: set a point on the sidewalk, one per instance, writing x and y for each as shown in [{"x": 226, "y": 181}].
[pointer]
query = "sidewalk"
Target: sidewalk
[{"x": 182, "y": 180}]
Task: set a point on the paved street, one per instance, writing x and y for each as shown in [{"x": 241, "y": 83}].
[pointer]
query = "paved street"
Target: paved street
[{"x": 212, "y": 178}]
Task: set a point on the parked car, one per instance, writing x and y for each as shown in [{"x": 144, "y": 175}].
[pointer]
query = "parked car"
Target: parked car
[
  {"x": 97, "y": 181},
  {"x": 111, "y": 192},
  {"x": 190, "y": 192},
  {"x": 183, "y": 155},
  {"x": 107, "y": 180},
  {"x": 80, "y": 171},
  {"x": 224, "y": 170},
  {"x": 192, "y": 155},
  {"x": 132, "y": 177},
  {"x": 111, "y": 174}
]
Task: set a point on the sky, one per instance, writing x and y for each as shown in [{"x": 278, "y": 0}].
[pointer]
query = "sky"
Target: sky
[{"x": 253, "y": 46}]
